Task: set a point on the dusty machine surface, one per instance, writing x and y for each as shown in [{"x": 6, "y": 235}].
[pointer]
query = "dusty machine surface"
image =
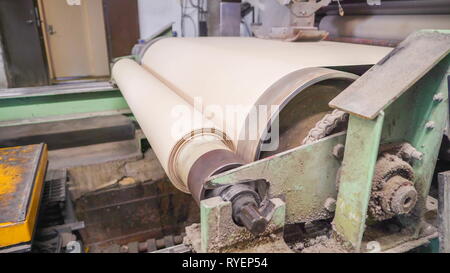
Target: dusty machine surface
[{"x": 320, "y": 134}]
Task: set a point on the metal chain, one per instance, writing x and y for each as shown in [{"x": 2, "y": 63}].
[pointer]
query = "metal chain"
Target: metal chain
[{"x": 325, "y": 126}]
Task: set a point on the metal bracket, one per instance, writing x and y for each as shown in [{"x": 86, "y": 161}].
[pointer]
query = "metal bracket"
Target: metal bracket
[
  {"x": 220, "y": 234},
  {"x": 394, "y": 74},
  {"x": 295, "y": 178}
]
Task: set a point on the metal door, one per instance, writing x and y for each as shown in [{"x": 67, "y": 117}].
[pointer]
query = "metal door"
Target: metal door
[
  {"x": 76, "y": 38},
  {"x": 24, "y": 53}
]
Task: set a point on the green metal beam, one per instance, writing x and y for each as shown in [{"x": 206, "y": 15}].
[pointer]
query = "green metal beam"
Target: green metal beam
[
  {"x": 37, "y": 109},
  {"x": 428, "y": 128},
  {"x": 361, "y": 150}
]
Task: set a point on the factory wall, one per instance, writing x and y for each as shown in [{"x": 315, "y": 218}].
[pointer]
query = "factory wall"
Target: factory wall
[{"x": 156, "y": 14}]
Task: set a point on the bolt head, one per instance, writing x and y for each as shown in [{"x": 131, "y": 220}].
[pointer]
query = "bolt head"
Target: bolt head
[
  {"x": 252, "y": 219},
  {"x": 417, "y": 155},
  {"x": 338, "y": 151},
  {"x": 438, "y": 97},
  {"x": 430, "y": 125},
  {"x": 330, "y": 204}
]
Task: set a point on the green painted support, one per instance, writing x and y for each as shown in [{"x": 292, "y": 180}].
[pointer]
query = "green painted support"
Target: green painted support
[
  {"x": 422, "y": 128},
  {"x": 430, "y": 122},
  {"x": 363, "y": 139},
  {"x": 210, "y": 209},
  {"x": 21, "y": 110}
]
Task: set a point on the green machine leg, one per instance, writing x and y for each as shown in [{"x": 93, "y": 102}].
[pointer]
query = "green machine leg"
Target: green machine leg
[
  {"x": 403, "y": 98},
  {"x": 431, "y": 121},
  {"x": 363, "y": 139}
]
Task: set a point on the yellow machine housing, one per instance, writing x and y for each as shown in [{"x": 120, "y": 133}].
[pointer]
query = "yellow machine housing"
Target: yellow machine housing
[{"x": 22, "y": 172}]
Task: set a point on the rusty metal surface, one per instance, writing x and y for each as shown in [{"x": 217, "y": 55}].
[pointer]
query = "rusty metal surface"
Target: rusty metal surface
[
  {"x": 18, "y": 167},
  {"x": 394, "y": 74}
]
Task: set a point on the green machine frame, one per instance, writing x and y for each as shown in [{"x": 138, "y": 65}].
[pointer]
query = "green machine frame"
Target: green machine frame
[{"x": 402, "y": 99}]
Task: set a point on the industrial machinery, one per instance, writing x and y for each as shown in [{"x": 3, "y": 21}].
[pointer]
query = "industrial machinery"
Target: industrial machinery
[
  {"x": 366, "y": 165},
  {"x": 353, "y": 21},
  {"x": 297, "y": 22},
  {"x": 320, "y": 134}
]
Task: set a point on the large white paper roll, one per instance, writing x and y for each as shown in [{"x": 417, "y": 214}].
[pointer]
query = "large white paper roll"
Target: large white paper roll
[
  {"x": 241, "y": 73},
  {"x": 168, "y": 121}
]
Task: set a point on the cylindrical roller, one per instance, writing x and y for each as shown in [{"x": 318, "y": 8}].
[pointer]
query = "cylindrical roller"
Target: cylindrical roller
[
  {"x": 159, "y": 110},
  {"x": 191, "y": 154},
  {"x": 244, "y": 73},
  {"x": 381, "y": 27},
  {"x": 201, "y": 158}
]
